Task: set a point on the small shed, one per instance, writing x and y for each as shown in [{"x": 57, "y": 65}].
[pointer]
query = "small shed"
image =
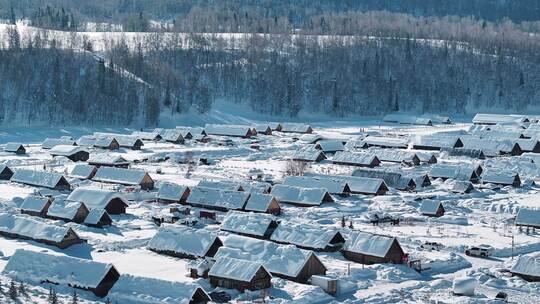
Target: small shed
[
  {"x": 528, "y": 218},
  {"x": 365, "y": 185},
  {"x": 49, "y": 143},
  {"x": 472, "y": 153},
  {"x": 296, "y": 128},
  {"x": 173, "y": 136},
  {"x": 130, "y": 142},
  {"x": 457, "y": 172},
  {"x": 149, "y": 136},
  {"x": 170, "y": 193},
  {"x": 44, "y": 179},
  {"x": 330, "y": 145},
  {"x": 501, "y": 177},
  {"x": 436, "y": 142},
  {"x": 36, "y": 205},
  {"x": 14, "y": 147},
  {"x": 257, "y": 225},
  {"x": 185, "y": 242},
  {"x": 68, "y": 211},
  {"x": 529, "y": 145},
  {"x": 368, "y": 248},
  {"x": 391, "y": 179},
  {"x": 308, "y": 236},
  {"x": 263, "y": 129},
  {"x": 527, "y": 267},
  {"x": 308, "y": 154},
  {"x": 242, "y": 131},
  {"x": 431, "y": 208},
  {"x": 40, "y": 268},
  {"x": 5, "y": 172},
  {"x": 94, "y": 198},
  {"x": 128, "y": 177},
  {"x": 384, "y": 142},
  {"x": 396, "y": 156},
  {"x": 305, "y": 197},
  {"x": 24, "y": 227},
  {"x": 109, "y": 143},
  {"x": 108, "y": 160},
  {"x": 74, "y": 153},
  {"x": 239, "y": 274},
  {"x": 357, "y": 159},
  {"x": 83, "y": 171},
  {"x": 98, "y": 218},
  {"x": 333, "y": 186},
  {"x": 264, "y": 203},
  {"x": 217, "y": 199}
]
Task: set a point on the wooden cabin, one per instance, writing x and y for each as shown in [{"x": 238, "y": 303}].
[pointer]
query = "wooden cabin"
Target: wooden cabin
[
  {"x": 239, "y": 274},
  {"x": 44, "y": 268},
  {"x": 264, "y": 129},
  {"x": 83, "y": 171},
  {"x": 296, "y": 128},
  {"x": 36, "y": 205},
  {"x": 73, "y": 153},
  {"x": 308, "y": 154},
  {"x": 108, "y": 160},
  {"x": 457, "y": 172},
  {"x": 49, "y": 143},
  {"x": 357, "y": 159},
  {"x": 173, "y": 136},
  {"x": 5, "y": 172},
  {"x": 215, "y": 199},
  {"x": 436, "y": 143},
  {"x": 432, "y": 208},
  {"x": 392, "y": 179},
  {"x": 98, "y": 218},
  {"x": 68, "y": 211},
  {"x": 501, "y": 177},
  {"x": 367, "y": 248},
  {"x": 93, "y": 198},
  {"x": 305, "y": 197},
  {"x": 493, "y": 119},
  {"x": 257, "y": 225},
  {"x": 230, "y": 130},
  {"x": 44, "y": 179},
  {"x": 128, "y": 177},
  {"x": 185, "y": 242},
  {"x": 16, "y": 148},
  {"x": 265, "y": 203},
  {"x": 308, "y": 237},
  {"x": 527, "y": 267},
  {"x": 330, "y": 145},
  {"x": 170, "y": 193},
  {"x": 529, "y": 218}
]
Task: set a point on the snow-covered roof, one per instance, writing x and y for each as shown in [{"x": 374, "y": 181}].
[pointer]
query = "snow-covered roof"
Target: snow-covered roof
[
  {"x": 37, "y": 178},
  {"x": 467, "y": 152},
  {"x": 94, "y": 216},
  {"x": 146, "y": 135},
  {"x": 533, "y": 157},
  {"x": 82, "y": 171},
  {"x": 295, "y": 128},
  {"x": 94, "y": 198},
  {"x": 397, "y": 156},
  {"x": 436, "y": 141},
  {"x": 527, "y": 265},
  {"x": 128, "y": 140},
  {"x": 303, "y": 235},
  {"x": 64, "y": 209},
  {"x": 259, "y": 202},
  {"x": 107, "y": 159},
  {"x": 32, "y": 228},
  {"x": 172, "y": 192},
  {"x": 120, "y": 175},
  {"x": 49, "y": 143},
  {"x": 286, "y": 260},
  {"x": 331, "y": 185},
  {"x": 34, "y": 203},
  {"x": 498, "y": 118},
  {"x": 172, "y": 134},
  {"x": 369, "y": 244},
  {"x": 528, "y": 145},
  {"x": 308, "y": 153},
  {"x": 385, "y": 141},
  {"x": 60, "y": 269},
  {"x": 436, "y": 118},
  {"x": 232, "y": 200},
  {"x": 256, "y": 224},
  {"x": 143, "y": 290},
  {"x": 355, "y": 158},
  {"x": 407, "y": 119},
  {"x": 86, "y": 140},
  {"x": 65, "y": 150},
  {"x": 228, "y": 130},
  {"x": 500, "y": 177},
  {"x": 330, "y": 145},
  {"x": 452, "y": 171},
  {"x": 221, "y": 185},
  {"x": 261, "y": 127},
  {"x": 298, "y": 195},
  {"x": 528, "y": 217},
  {"x": 392, "y": 179},
  {"x": 488, "y": 146},
  {"x": 429, "y": 207},
  {"x": 364, "y": 184},
  {"x": 256, "y": 187},
  {"x": 104, "y": 142},
  {"x": 183, "y": 239},
  {"x": 235, "y": 269},
  {"x": 192, "y": 130},
  {"x": 12, "y": 146}
]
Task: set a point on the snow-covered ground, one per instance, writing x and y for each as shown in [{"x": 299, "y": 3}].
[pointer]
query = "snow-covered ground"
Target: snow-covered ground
[{"x": 482, "y": 217}]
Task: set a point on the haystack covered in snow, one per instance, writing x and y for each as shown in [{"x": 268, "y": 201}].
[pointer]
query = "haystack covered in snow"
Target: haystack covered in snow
[
  {"x": 74, "y": 153},
  {"x": 527, "y": 267},
  {"x": 36, "y": 205},
  {"x": 301, "y": 196},
  {"x": 217, "y": 199},
  {"x": 185, "y": 242},
  {"x": 44, "y": 179},
  {"x": 284, "y": 261},
  {"x": 239, "y": 274},
  {"x": 243, "y": 131},
  {"x": 49, "y": 143},
  {"x": 368, "y": 248},
  {"x": 95, "y": 198},
  {"x": 83, "y": 171},
  {"x": 14, "y": 147},
  {"x": 142, "y": 290},
  {"x": 129, "y": 177},
  {"x": 333, "y": 186},
  {"x": 265, "y": 203},
  {"x": 38, "y": 267},
  {"x": 258, "y": 225},
  {"x": 172, "y": 193},
  {"x": 24, "y": 227},
  {"x": 68, "y": 211},
  {"x": 308, "y": 236},
  {"x": 358, "y": 159},
  {"x": 431, "y": 208},
  {"x": 528, "y": 218}
]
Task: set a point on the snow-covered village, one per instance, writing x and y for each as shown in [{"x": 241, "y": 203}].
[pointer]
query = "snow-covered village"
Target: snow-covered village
[{"x": 269, "y": 151}]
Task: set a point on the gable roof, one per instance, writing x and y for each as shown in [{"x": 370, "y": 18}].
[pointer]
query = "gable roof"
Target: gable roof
[
  {"x": 183, "y": 239},
  {"x": 429, "y": 207},
  {"x": 32, "y": 228},
  {"x": 528, "y": 217},
  {"x": 355, "y": 158},
  {"x": 236, "y": 269},
  {"x": 64, "y": 209},
  {"x": 296, "y": 128},
  {"x": 256, "y": 224},
  {"x": 364, "y": 185},
  {"x": 49, "y": 143},
  {"x": 82, "y": 171},
  {"x": 333, "y": 186},
  {"x": 298, "y": 195},
  {"x": 107, "y": 159},
  {"x": 481, "y": 118},
  {"x": 172, "y": 192},
  {"x": 12, "y": 147},
  {"x": 228, "y": 130},
  {"x": 457, "y": 172},
  {"x": 221, "y": 185},
  {"x": 407, "y": 119},
  {"x": 500, "y": 177},
  {"x": 385, "y": 141},
  {"x": 38, "y": 178},
  {"x": 208, "y": 197},
  {"x": 369, "y": 244},
  {"x": 259, "y": 202},
  {"x": 34, "y": 203},
  {"x": 120, "y": 175},
  {"x": 392, "y": 179},
  {"x": 95, "y": 198},
  {"x": 527, "y": 265},
  {"x": 308, "y": 153},
  {"x": 65, "y": 150},
  {"x": 436, "y": 141},
  {"x": 330, "y": 145},
  {"x": 95, "y": 215},
  {"x": 60, "y": 269},
  {"x": 304, "y": 235}
]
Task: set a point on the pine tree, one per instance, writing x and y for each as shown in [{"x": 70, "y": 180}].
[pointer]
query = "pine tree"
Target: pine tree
[
  {"x": 75, "y": 297},
  {"x": 53, "y": 299},
  {"x": 13, "y": 291}
]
